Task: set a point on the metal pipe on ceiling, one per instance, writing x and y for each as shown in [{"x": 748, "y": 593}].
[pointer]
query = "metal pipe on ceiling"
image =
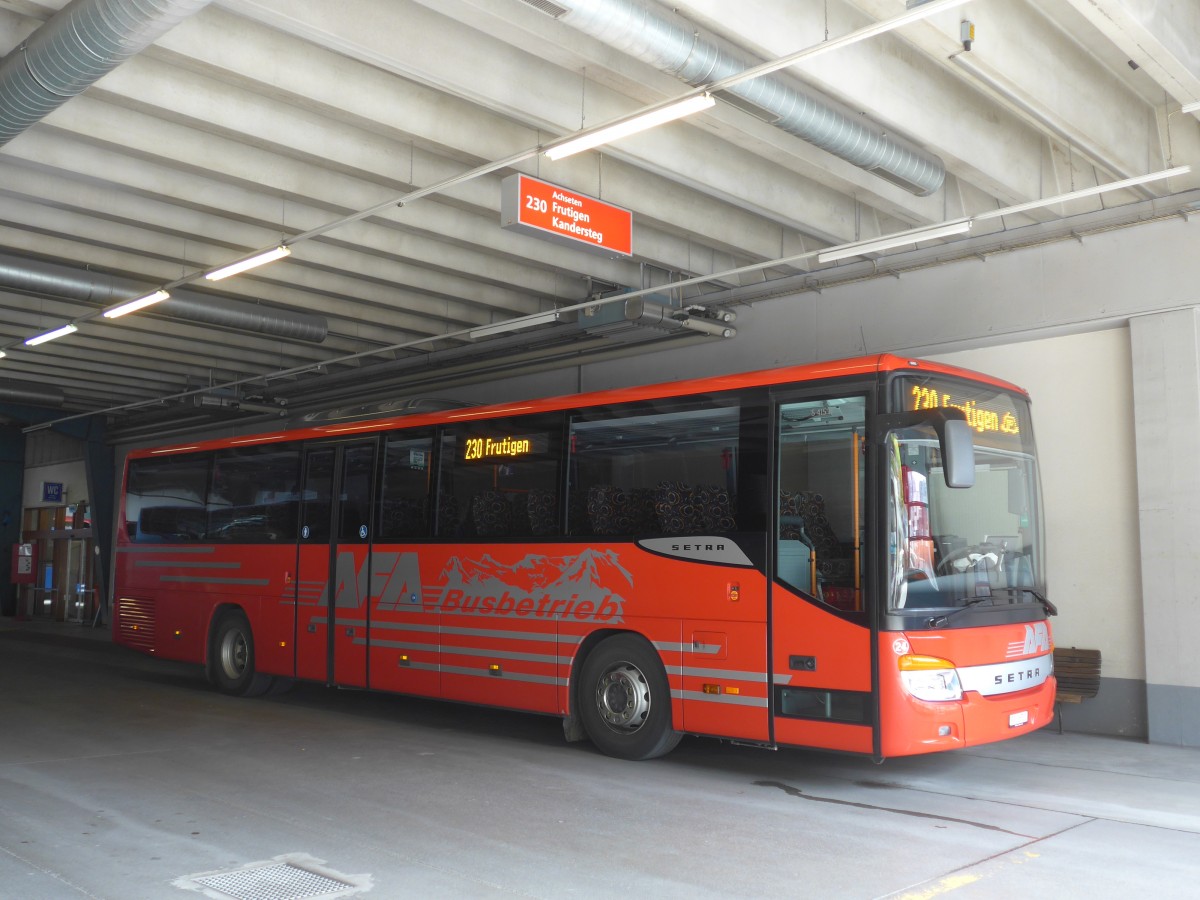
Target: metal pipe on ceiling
[
  {"x": 76, "y": 46},
  {"x": 672, "y": 44},
  {"x": 35, "y": 394},
  {"x": 49, "y": 279}
]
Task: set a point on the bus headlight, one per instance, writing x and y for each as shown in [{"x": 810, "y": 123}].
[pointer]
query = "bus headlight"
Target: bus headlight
[{"x": 930, "y": 677}]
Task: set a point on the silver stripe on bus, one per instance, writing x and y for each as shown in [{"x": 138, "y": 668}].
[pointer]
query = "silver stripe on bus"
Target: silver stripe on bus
[
  {"x": 547, "y": 637},
  {"x": 183, "y": 564},
  {"x": 727, "y": 674},
  {"x": 510, "y": 676},
  {"x": 781, "y": 679},
  {"x": 702, "y": 649},
  {"x": 257, "y": 582},
  {"x": 151, "y": 548},
  {"x": 671, "y": 647},
  {"x": 463, "y": 651},
  {"x": 736, "y": 699}
]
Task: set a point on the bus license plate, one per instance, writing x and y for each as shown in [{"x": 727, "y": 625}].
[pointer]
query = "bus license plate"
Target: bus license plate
[{"x": 1017, "y": 719}]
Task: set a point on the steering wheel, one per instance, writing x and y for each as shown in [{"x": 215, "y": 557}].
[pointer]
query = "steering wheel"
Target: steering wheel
[{"x": 968, "y": 558}]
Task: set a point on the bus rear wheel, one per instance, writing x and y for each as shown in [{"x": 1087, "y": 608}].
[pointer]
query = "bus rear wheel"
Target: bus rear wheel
[
  {"x": 233, "y": 657},
  {"x": 625, "y": 699}
]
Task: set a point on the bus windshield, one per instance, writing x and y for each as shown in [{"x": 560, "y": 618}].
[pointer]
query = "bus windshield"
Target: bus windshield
[{"x": 953, "y": 548}]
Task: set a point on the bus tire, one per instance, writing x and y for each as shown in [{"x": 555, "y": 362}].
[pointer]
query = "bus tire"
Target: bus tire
[
  {"x": 625, "y": 699},
  {"x": 233, "y": 657}
]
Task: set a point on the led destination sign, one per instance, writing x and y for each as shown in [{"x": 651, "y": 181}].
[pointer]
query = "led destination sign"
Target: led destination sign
[
  {"x": 979, "y": 416},
  {"x": 503, "y": 447}
]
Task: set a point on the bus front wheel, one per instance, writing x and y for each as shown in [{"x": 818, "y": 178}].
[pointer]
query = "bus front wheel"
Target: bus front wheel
[
  {"x": 625, "y": 699},
  {"x": 233, "y": 657}
]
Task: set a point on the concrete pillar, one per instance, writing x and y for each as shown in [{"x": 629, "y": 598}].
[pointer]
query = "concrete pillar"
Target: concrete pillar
[{"x": 1166, "y": 395}]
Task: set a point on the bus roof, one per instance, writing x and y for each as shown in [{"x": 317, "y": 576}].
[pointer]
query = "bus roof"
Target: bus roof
[{"x": 819, "y": 371}]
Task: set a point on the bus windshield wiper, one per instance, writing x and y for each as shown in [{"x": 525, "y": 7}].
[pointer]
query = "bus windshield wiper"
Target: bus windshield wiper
[
  {"x": 939, "y": 621},
  {"x": 1050, "y": 608}
]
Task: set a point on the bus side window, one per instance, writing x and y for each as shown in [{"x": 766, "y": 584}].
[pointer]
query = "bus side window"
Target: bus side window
[
  {"x": 660, "y": 470},
  {"x": 498, "y": 478},
  {"x": 253, "y": 494},
  {"x": 404, "y": 512},
  {"x": 165, "y": 498}
]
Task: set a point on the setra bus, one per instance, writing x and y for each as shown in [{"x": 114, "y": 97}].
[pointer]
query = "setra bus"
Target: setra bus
[{"x": 846, "y": 555}]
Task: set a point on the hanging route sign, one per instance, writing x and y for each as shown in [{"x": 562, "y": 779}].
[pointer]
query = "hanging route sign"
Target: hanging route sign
[{"x": 553, "y": 213}]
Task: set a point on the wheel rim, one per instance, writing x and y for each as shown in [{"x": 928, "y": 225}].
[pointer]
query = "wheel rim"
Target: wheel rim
[
  {"x": 623, "y": 698},
  {"x": 235, "y": 652}
]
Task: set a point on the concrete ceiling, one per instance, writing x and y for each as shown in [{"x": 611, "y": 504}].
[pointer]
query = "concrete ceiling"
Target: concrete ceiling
[{"x": 256, "y": 121}]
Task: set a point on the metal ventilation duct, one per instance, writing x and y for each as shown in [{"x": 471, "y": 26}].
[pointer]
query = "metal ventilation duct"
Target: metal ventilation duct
[
  {"x": 79, "y": 44},
  {"x": 35, "y": 394},
  {"x": 670, "y": 43},
  {"x": 53, "y": 280}
]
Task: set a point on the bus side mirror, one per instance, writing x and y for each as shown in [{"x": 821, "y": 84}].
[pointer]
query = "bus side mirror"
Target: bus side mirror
[
  {"x": 958, "y": 453},
  {"x": 954, "y": 439}
]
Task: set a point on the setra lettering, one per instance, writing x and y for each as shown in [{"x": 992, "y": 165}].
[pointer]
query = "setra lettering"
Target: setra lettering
[
  {"x": 698, "y": 548},
  {"x": 1020, "y": 676}
]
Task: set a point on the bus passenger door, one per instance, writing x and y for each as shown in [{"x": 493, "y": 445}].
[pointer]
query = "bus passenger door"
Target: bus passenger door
[
  {"x": 820, "y": 634},
  {"x": 351, "y": 576},
  {"x": 334, "y": 563}
]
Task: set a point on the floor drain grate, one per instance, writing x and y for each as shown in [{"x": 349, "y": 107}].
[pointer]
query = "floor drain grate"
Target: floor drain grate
[{"x": 274, "y": 881}]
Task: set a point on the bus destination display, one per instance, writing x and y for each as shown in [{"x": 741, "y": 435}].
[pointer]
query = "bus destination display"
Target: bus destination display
[{"x": 503, "y": 447}]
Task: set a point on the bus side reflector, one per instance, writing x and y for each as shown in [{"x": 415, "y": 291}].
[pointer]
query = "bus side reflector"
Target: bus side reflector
[
  {"x": 495, "y": 669},
  {"x": 403, "y": 661},
  {"x": 711, "y": 688},
  {"x": 735, "y": 593}
]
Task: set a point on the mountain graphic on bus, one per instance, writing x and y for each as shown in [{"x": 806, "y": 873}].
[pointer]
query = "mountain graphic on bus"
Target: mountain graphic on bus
[{"x": 589, "y": 586}]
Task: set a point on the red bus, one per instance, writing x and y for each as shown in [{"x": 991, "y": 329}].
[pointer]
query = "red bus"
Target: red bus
[{"x": 845, "y": 555}]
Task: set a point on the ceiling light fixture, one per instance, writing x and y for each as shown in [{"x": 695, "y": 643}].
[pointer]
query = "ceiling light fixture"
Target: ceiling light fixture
[
  {"x": 51, "y": 335},
  {"x": 249, "y": 262},
  {"x": 1191, "y": 107},
  {"x": 514, "y": 325},
  {"x": 1083, "y": 192},
  {"x": 887, "y": 242},
  {"x": 134, "y": 305},
  {"x": 625, "y": 127}
]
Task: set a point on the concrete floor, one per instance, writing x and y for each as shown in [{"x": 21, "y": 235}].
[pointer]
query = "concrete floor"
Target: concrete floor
[{"x": 123, "y": 777}]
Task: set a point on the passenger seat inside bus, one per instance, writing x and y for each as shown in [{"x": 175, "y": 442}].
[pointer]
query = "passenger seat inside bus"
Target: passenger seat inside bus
[{"x": 802, "y": 517}]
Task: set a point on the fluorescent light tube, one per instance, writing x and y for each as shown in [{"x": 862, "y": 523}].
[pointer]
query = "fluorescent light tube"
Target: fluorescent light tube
[
  {"x": 514, "y": 325},
  {"x": 3, "y": 354},
  {"x": 1191, "y": 107},
  {"x": 875, "y": 245},
  {"x": 1082, "y": 192},
  {"x": 134, "y": 305},
  {"x": 51, "y": 335},
  {"x": 249, "y": 262},
  {"x": 632, "y": 126}
]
